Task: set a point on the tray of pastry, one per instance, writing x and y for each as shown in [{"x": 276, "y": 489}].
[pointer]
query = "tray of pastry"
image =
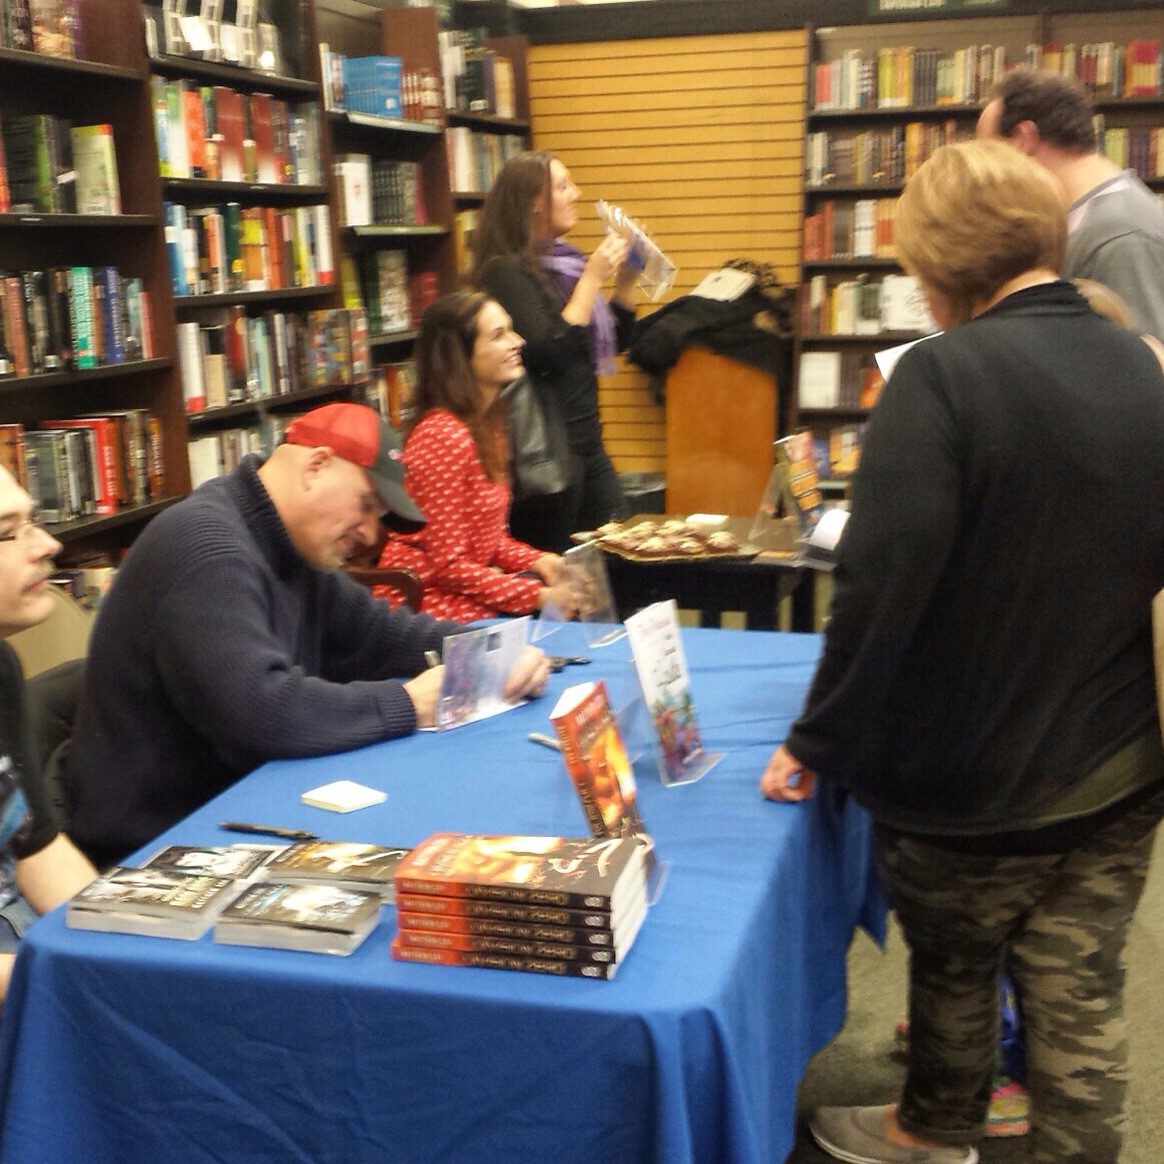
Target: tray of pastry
[{"x": 669, "y": 540}]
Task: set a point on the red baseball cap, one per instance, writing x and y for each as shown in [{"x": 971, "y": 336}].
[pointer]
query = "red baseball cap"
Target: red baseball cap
[{"x": 360, "y": 435}]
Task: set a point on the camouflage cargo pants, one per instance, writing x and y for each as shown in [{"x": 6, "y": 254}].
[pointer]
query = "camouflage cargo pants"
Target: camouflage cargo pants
[{"x": 1065, "y": 920}]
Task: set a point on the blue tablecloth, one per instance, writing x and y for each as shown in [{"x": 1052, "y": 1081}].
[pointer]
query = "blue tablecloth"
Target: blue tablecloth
[{"x": 118, "y": 1049}]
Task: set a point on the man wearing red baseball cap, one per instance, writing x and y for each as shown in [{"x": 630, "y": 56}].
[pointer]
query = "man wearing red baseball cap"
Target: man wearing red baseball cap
[{"x": 231, "y": 637}]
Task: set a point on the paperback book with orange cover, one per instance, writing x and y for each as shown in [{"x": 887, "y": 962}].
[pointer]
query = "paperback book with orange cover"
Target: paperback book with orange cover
[
  {"x": 461, "y": 910},
  {"x": 492, "y": 961},
  {"x": 597, "y": 761},
  {"x": 590, "y": 873}
]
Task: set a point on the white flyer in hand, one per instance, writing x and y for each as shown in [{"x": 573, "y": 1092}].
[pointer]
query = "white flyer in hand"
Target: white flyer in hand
[{"x": 477, "y": 664}]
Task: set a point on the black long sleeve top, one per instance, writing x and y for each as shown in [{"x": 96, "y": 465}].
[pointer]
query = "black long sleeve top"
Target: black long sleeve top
[
  {"x": 555, "y": 351},
  {"x": 219, "y": 648},
  {"x": 990, "y": 640}
]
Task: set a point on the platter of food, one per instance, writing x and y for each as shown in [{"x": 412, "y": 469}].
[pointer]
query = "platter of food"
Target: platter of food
[{"x": 669, "y": 539}]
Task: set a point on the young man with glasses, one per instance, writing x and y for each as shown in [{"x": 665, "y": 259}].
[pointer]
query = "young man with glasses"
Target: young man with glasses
[
  {"x": 231, "y": 637},
  {"x": 39, "y": 866}
]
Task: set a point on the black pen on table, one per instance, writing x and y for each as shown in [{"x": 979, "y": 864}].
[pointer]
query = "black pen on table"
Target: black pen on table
[{"x": 242, "y": 826}]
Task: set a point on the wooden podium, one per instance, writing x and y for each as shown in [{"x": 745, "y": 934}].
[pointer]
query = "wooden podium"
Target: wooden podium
[{"x": 721, "y": 422}]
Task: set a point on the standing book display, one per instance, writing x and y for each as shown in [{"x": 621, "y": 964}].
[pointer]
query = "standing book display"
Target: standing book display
[{"x": 662, "y": 671}]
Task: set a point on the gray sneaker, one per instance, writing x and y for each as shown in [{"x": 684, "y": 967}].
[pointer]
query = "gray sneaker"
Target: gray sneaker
[{"x": 857, "y": 1134}]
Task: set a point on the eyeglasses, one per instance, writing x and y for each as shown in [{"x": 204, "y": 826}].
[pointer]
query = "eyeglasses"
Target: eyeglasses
[{"x": 23, "y": 530}]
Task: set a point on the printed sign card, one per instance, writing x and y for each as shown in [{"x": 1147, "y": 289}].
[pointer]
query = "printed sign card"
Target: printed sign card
[{"x": 662, "y": 671}]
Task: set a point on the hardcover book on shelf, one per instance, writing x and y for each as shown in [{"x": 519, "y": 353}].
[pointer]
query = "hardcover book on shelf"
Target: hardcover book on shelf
[
  {"x": 596, "y": 760},
  {"x": 159, "y": 902},
  {"x": 95, "y": 163},
  {"x": 580, "y": 873},
  {"x": 662, "y": 670},
  {"x": 347, "y": 864},
  {"x": 319, "y": 917}
]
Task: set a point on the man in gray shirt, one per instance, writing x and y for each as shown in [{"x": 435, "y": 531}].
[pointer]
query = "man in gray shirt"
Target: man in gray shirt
[{"x": 1115, "y": 223}]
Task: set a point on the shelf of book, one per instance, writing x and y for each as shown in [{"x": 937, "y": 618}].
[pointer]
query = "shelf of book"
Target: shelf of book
[
  {"x": 251, "y": 80},
  {"x": 273, "y": 193},
  {"x": 369, "y": 121},
  {"x": 213, "y": 417},
  {"x": 81, "y": 376},
  {"x": 380, "y": 230},
  {"x": 487, "y": 122},
  {"x": 273, "y": 295},
  {"x": 17, "y": 61},
  {"x": 87, "y": 325},
  {"x": 27, "y": 221},
  {"x": 384, "y": 339},
  {"x": 83, "y": 529}
]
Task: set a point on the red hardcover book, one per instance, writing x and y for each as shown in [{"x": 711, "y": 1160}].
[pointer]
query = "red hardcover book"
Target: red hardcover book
[
  {"x": 263, "y": 135},
  {"x": 194, "y": 118},
  {"x": 596, "y": 760},
  {"x": 273, "y": 228},
  {"x": 596, "y": 873},
  {"x": 15, "y": 324},
  {"x": 230, "y": 123}
]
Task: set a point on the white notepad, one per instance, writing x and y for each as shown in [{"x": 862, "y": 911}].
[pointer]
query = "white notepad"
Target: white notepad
[{"x": 343, "y": 796}]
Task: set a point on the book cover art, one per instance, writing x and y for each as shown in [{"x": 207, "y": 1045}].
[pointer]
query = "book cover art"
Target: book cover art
[
  {"x": 477, "y": 665},
  {"x": 159, "y": 891},
  {"x": 493, "y": 961},
  {"x": 662, "y": 671},
  {"x": 313, "y": 916},
  {"x": 349, "y": 863},
  {"x": 208, "y": 860},
  {"x": 597, "y": 761},
  {"x": 573, "y": 872},
  {"x": 799, "y": 479},
  {"x": 312, "y": 905}
]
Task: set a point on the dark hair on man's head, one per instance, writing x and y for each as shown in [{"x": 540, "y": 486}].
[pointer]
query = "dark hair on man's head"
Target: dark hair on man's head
[
  {"x": 445, "y": 377},
  {"x": 1060, "y": 108}
]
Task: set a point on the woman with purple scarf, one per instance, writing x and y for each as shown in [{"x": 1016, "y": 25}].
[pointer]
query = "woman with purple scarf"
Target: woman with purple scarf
[{"x": 553, "y": 292}]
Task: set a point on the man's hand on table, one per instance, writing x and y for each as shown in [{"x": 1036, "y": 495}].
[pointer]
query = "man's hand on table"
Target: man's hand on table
[{"x": 786, "y": 778}]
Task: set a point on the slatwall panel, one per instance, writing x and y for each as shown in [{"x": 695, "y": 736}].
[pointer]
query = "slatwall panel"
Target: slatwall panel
[{"x": 699, "y": 138}]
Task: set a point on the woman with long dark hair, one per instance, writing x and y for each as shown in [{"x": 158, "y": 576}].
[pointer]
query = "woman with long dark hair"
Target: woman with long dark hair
[
  {"x": 554, "y": 294},
  {"x": 457, "y": 472}
]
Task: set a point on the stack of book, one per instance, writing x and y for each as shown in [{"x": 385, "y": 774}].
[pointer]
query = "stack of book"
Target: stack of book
[
  {"x": 79, "y": 466},
  {"x": 160, "y": 901},
  {"x": 553, "y": 905}
]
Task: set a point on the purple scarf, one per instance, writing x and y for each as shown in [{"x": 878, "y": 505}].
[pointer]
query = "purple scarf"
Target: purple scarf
[{"x": 568, "y": 263}]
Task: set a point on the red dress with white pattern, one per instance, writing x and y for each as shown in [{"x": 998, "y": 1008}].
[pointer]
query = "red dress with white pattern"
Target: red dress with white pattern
[{"x": 464, "y": 555}]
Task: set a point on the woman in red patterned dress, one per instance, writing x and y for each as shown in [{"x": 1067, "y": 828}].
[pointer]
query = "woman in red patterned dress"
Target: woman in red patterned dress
[{"x": 457, "y": 473}]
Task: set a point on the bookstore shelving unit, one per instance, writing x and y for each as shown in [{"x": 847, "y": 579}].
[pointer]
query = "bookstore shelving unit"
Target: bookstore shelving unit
[
  {"x": 873, "y": 114},
  {"x": 360, "y": 30},
  {"x": 861, "y": 146},
  {"x": 106, "y": 86},
  {"x": 262, "y": 190}
]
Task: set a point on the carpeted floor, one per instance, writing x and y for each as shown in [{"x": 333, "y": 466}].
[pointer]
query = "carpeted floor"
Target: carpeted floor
[{"x": 859, "y": 1068}]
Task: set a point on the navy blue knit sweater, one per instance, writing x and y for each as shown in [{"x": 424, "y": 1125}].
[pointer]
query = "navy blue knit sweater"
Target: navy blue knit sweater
[{"x": 217, "y": 649}]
